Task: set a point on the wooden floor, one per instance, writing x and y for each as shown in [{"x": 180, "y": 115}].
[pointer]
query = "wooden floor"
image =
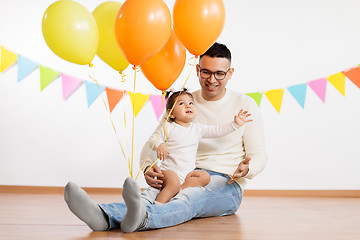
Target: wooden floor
[{"x": 29, "y": 215}]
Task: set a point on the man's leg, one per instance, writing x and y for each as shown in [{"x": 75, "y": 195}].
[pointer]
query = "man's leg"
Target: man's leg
[
  {"x": 217, "y": 199},
  {"x": 85, "y": 208},
  {"x": 116, "y": 211},
  {"x": 135, "y": 216},
  {"x": 103, "y": 216}
]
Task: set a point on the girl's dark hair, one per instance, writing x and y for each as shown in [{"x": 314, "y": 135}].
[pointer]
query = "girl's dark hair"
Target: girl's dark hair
[{"x": 171, "y": 98}]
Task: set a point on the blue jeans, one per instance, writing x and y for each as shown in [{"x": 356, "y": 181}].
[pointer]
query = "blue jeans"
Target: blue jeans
[{"x": 216, "y": 199}]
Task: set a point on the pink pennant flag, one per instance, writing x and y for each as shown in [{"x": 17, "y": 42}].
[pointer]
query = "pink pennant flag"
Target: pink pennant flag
[
  {"x": 319, "y": 87},
  {"x": 69, "y": 85},
  {"x": 158, "y": 104}
]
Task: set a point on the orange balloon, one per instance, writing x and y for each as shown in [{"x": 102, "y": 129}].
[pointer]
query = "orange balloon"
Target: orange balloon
[
  {"x": 198, "y": 23},
  {"x": 142, "y": 29},
  {"x": 164, "y": 68}
]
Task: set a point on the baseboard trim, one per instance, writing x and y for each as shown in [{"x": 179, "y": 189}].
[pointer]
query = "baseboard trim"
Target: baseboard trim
[
  {"x": 53, "y": 190},
  {"x": 303, "y": 193},
  {"x": 249, "y": 192}
]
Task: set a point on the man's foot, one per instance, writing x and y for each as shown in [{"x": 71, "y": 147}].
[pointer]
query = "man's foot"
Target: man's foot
[
  {"x": 135, "y": 217},
  {"x": 84, "y": 207}
]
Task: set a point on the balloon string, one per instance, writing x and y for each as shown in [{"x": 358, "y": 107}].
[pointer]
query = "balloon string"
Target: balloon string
[
  {"x": 142, "y": 166},
  {"x": 165, "y": 119},
  {"x": 162, "y": 98},
  {"x": 136, "y": 69},
  {"x": 192, "y": 61},
  {"x": 171, "y": 110},
  {"x": 107, "y": 110},
  {"x": 152, "y": 147},
  {"x": 123, "y": 75},
  {"x": 166, "y": 135},
  {"x": 151, "y": 165},
  {"x": 126, "y": 139}
]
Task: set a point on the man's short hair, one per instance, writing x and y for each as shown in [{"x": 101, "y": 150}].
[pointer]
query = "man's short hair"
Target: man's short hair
[{"x": 218, "y": 50}]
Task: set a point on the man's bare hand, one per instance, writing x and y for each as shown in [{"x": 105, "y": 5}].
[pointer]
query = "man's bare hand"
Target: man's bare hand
[
  {"x": 241, "y": 171},
  {"x": 150, "y": 175}
]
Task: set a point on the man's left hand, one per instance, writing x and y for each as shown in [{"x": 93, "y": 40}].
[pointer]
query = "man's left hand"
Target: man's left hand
[{"x": 241, "y": 171}]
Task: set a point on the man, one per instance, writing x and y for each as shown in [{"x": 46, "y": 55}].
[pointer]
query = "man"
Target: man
[{"x": 230, "y": 161}]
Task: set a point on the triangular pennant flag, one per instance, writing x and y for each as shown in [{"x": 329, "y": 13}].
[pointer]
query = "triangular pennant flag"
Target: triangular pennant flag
[
  {"x": 114, "y": 96},
  {"x": 353, "y": 75},
  {"x": 47, "y": 75},
  {"x": 138, "y": 100},
  {"x": 93, "y": 91},
  {"x": 319, "y": 87},
  {"x": 256, "y": 96},
  {"x": 338, "y": 81},
  {"x": 7, "y": 59},
  {"x": 69, "y": 85},
  {"x": 158, "y": 103},
  {"x": 25, "y": 67},
  {"x": 275, "y": 97},
  {"x": 299, "y": 92}
]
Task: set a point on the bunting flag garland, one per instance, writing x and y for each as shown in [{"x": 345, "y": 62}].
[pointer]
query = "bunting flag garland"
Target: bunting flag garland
[
  {"x": 138, "y": 100},
  {"x": 25, "y": 67},
  {"x": 256, "y": 96},
  {"x": 7, "y": 59},
  {"x": 275, "y": 97},
  {"x": 93, "y": 91},
  {"x": 69, "y": 85},
  {"x": 353, "y": 75},
  {"x": 299, "y": 92},
  {"x": 319, "y": 87},
  {"x": 47, "y": 75},
  {"x": 158, "y": 104},
  {"x": 114, "y": 97},
  {"x": 338, "y": 81}
]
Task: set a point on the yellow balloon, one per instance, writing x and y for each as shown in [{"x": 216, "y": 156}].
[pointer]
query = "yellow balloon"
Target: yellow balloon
[
  {"x": 109, "y": 50},
  {"x": 70, "y": 31}
]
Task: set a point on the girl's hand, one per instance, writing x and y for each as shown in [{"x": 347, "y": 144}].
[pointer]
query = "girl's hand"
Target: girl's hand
[
  {"x": 162, "y": 151},
  {"x": 242, "y": 117}
]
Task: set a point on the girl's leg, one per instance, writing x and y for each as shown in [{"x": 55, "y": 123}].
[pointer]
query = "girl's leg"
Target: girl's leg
[
  {"x": 196, "y": 178},
  {"x": 171, "y": 187}
]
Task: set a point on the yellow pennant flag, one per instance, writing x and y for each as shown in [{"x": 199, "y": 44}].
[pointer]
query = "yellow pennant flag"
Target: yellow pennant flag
[
  {"x": 275, "y": 97},
  {"x": 338, "y": 81},
  {"x": 7, "y": 59},
  {"x": 138, "y": 100}
]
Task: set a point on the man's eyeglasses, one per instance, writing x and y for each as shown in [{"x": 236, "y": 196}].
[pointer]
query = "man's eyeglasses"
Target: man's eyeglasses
[{"x": 218, "y": 75}]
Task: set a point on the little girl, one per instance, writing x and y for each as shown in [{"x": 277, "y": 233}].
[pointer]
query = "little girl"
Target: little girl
[{"x": 177, "y": 141}]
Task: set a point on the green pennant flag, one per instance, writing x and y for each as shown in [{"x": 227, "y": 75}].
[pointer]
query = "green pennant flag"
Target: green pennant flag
[
  {"x": 256, "y": 96},
  {"x": 47, "y": 75}
]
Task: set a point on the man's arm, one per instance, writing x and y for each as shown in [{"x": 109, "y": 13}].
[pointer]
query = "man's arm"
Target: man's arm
[
  {"x": 148, "y": 157},
  {"x": 254, "y": 144}
]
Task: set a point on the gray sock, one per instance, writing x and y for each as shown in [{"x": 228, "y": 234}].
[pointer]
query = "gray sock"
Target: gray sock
[
  {"x": 84, "y": 207},
  {"x": 136, "y": 211}
]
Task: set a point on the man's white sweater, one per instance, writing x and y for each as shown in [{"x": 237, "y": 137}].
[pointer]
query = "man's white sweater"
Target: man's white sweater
[{"x": 224, "y": 154}]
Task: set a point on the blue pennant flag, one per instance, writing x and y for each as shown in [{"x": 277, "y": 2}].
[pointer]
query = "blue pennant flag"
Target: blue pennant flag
[
  {"x": 93, "y": 91},
  {"x": 25, "y": 67},
  {"x": 299, "y": 92}
]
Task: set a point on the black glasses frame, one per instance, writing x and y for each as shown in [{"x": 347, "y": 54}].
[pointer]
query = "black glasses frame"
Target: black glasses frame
[{"x": 201, "y": 70}]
